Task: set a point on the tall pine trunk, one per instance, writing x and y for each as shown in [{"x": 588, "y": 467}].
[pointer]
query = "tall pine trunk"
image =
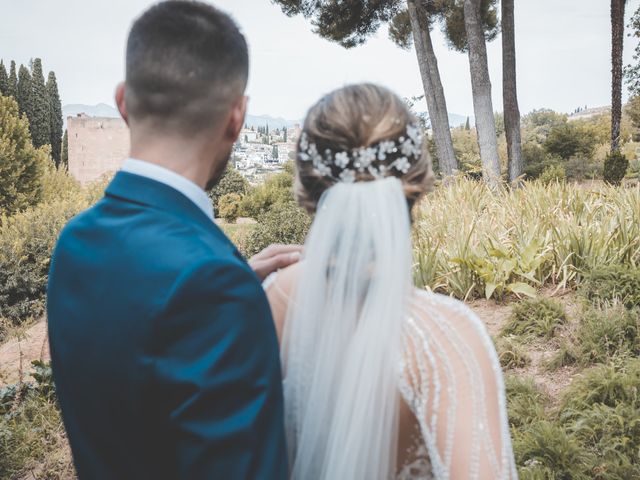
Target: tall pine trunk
[
  {"x": 617, "y": 38},
  {"x": 481, "y": 89},
  {"x": 510, "y": 93},
  {"x": 433, "y": 91}
]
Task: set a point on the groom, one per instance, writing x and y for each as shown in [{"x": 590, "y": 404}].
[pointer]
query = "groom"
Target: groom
[{"x": 163, "y": 348}]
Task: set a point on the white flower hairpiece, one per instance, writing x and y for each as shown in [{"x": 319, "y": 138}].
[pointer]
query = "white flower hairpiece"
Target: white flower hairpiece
[{"x": 369, "y": 159}]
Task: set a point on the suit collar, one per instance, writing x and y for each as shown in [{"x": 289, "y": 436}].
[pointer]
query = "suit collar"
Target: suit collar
[{"x": 145, "y": 191}]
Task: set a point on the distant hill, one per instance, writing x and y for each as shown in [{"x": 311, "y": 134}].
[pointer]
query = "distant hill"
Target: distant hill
[{"x": 104, "y": 110}]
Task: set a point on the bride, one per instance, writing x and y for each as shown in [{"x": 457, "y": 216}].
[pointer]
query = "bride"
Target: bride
[{"x": 381, "y": 380}]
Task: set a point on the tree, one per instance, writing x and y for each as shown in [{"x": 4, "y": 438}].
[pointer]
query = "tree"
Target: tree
[
  {"x": 617, "y": 40},
  {"x": 467, "y": 125},
  {"x": 420, "y": 20},
  {"x": 350, "y": 22},
  {"x": 23, "y": 91},
  {"x": 632, "y": 72},
  {"x": 274, "y": 152},
  {"x": 40, "y": 119},
  {"x": 229, "y": 207},
  {"x": 12, "y": 87},
  {"x": 231, "y": 181},
  {"x": 64, "y": 155},
  {"x": 571, "y": 139},
  {"x": 509, "y": 92},
  {"x": 55, "y": 118},
  {"x": 481, "y": 89},
  {"x": 285, "y": 135},
  {"x": 4, "y": 80},
  {"x": 21, "y": 164}
]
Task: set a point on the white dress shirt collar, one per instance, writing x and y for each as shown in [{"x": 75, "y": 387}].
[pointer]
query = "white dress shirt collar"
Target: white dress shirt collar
[{"x": 172, "y": 179}]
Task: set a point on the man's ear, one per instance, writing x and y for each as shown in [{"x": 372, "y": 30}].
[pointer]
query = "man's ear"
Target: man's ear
[
  {"x": 236, "y": 119},
  {"x": 120, "y": 103}
]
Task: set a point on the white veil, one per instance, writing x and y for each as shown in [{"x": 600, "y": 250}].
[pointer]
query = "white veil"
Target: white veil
[{"x": 342, "y": 336}]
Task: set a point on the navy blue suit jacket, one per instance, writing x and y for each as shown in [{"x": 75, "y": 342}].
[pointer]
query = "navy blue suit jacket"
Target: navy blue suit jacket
[{"x": 163, "y": 348}]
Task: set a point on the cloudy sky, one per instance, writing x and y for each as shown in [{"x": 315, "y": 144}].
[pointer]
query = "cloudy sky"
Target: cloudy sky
[{"x": 563, "y": 54}]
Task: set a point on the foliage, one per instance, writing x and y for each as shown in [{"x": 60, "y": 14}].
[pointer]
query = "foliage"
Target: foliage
[
  {"x": 454, "y": 25},
  {"x": 525, "y": 401},
  {"x": 512, "y": 353},
  {"x": 55, "y": 118},
  {"x": 21, "y": 165},
  {"x": 40, "y": 117},
  {"x": 469, "y": 239},
  {"x": 615, "y": 167},
  {"x": 535, "y": 318},
  {"x": 12, "y": 89},
  {"x": 64, "y": 155},
  {"x": 570, "y": 139},
  {"x": 23, "y": 92},
  {"x": 606, "y": 333},
  {"x": 229, "y": 207},
  {"x": 553, "y": 173},
  {"x": 231, "y": 181},
  {"x": 613, "y": 282},
  {"x": 4, "y": 80},
  {"x": 26, "y": 241},
  {"x": 276, "y": 190},
  {"x": 32, "y": 437},
  {"x": 632, "y": 71},
  {"x": 284, "y": 223}
]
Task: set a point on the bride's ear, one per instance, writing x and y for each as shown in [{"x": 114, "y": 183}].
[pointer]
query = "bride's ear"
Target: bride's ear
[
  {"x": 236, "y": 119},
  {"x": 120, "y": 103}
]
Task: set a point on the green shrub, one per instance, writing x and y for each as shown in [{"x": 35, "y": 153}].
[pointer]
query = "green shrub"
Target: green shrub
[
  {"x": 546, "y": 450},
  {"x": 231, "y": 181},
  {"x": 525, "y": 402},
  {"x": 32, "y": 436},
  {"x": 535, "y": 318},
  {"x": 615, "y": 167},
  {"x": 611, "y": 283},
  {"x": 229, "y": 207},
  {"x": 276, "y": 190},
  {"x": 611, "y": 385},
  {"x": 284, "y": 223},
  {"x": 606, "y": 333},
  {"x": 553, "y": 173},
  {"x": 512, "y": 353},
  {"x": 565, "y": 355}
]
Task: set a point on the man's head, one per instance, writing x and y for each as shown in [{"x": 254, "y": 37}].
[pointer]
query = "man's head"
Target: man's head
[{"x": 186, "y": 72}]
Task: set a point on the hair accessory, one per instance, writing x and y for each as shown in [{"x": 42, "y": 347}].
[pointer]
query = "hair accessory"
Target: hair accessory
[{"x": 365, "y": 159}]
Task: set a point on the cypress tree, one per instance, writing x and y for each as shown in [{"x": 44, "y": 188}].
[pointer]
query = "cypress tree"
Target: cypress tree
[
  {"x": 4, "y": 80},
  {"x": 23, "y": 92},
  {"x": 64, "y": 156},
  {"x": 467, "y": 125},
  {"x": 55, "y": 119},
  {"x": 12, "y": 87},
  {"x": 40, "y": 119}
]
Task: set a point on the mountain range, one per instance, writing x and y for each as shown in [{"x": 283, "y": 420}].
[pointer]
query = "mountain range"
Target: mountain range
[{"x": 104, "y": 110}]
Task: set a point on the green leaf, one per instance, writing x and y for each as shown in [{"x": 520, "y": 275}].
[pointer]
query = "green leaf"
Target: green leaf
[{"x": 520, "y": 288}]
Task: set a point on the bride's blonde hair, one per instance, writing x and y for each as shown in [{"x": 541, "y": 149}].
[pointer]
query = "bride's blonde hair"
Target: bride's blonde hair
[{"x": 353, "y": 117}]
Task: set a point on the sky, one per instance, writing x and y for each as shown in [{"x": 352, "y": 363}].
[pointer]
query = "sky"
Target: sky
[{"x": 562, "y": 54}]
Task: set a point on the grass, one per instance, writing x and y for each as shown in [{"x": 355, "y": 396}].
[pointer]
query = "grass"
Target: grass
[
  {"x": 535, "y": 318},
  {"x": 613, "y": 283},
  {"x": 512, "y": 353}
]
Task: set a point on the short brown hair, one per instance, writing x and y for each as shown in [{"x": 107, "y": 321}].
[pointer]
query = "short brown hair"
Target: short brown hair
[
  {"x": 353, "y": 117},
  {"x": 186, "y": 63}
]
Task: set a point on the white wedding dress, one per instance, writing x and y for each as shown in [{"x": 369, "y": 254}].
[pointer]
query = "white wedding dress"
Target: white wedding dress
[{"x": 382, "y": 380}]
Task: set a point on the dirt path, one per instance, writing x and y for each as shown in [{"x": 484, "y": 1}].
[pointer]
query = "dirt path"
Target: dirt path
[{"x": 17, "y": 354}]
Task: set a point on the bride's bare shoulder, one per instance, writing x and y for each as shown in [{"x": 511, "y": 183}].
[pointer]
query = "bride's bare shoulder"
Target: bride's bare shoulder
[{"x": 279, "y": 288}]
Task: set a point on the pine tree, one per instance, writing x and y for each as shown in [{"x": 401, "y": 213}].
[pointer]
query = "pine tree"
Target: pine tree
[
  {"x": 55, "y": 119},
  {"x": 23, "y": 91},
  {"x": 4, "y": 80},
  {"x": 12, "y": 87},
  {"x": 40, "y": 120},
  {"x": 64, "y": 155},
  {"x": 20, "y": 163}
]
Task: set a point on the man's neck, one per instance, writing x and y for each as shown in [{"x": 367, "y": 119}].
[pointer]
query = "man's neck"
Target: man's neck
[{"x": 189, "y": 160}]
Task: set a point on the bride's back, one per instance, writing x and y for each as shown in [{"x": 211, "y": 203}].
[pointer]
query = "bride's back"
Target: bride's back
[{"x": 380, "y": 380}]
